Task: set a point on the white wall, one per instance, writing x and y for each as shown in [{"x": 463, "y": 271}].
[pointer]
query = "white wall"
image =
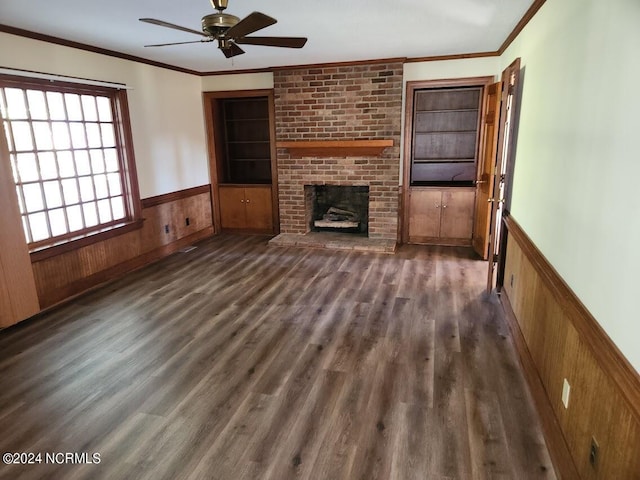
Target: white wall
[
  {"x": 578, "y": 154},
  {"x": 239, "y": 81},
  {"x": 165, "y": 106}
]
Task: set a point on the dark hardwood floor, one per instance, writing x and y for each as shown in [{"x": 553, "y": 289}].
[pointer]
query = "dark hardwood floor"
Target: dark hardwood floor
[{"x": 242, "y": 361}]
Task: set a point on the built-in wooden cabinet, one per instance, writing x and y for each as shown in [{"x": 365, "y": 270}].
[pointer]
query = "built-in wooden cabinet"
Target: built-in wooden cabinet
[
  {"x": 246, "y": 207},
  {"x": 442, "y": 132},
  {"x": 441, "y": 215},
  {"x": 242, "y": 160},
  {"x": 246, "y": 140},
  {"x": 445, "y": 135}
]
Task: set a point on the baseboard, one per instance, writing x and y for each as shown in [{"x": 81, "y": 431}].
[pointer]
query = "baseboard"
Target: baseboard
[{"x": 556, "y": 444}]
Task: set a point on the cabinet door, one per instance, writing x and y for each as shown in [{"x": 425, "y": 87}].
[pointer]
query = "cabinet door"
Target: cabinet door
[
  {"x": 457, "y": 214},
  {"x": 232, "y": 207},
  {"x": 424, "y": 213},
  {"x": 259, "y": 210}
]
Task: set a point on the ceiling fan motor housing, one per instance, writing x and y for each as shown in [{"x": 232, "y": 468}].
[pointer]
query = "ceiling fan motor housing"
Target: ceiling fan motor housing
[{"x": 217, "y": 24}]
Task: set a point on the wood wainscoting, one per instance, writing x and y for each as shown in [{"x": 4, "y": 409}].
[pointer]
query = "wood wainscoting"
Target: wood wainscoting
[
  {"x": 558, "y": 339},
  {"x": 64, "y": 276}
]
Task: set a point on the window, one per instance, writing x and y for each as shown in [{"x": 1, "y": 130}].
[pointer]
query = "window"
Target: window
[{"x": 71, "y": 158}]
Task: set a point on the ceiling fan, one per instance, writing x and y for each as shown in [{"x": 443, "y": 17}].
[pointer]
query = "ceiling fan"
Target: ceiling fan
[{"x": 230, "y": 31}]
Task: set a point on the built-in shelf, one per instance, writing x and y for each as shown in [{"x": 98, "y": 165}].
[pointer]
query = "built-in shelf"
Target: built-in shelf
[{"x": 335, "y": 148}]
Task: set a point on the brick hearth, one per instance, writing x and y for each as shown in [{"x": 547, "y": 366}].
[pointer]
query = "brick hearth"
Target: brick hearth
[{"x": 340, "y": 103}]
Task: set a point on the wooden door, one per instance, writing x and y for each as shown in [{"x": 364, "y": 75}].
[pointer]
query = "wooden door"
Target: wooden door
[
  {"x": 232, "y": 207},
  {"x": 424, "y": 213},
  {"x": 457, "y": 214},
  {"x": 487, "y": 170},
  {"x": 504, "y": 171},
  {"x": 259, "y": 210}
]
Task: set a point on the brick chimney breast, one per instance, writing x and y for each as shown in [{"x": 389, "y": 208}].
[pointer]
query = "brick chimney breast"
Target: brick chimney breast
[{"x": 358, "y": 102}]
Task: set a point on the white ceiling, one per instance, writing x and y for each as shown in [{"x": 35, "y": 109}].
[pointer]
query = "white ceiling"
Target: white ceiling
[{"x": 338, "y": 31}]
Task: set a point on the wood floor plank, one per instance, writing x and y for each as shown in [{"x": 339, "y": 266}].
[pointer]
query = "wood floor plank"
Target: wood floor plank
[{"x": 242, "y": 361}]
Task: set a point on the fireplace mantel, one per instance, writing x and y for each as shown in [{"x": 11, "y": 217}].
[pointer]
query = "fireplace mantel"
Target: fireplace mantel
[{"x": 335, "y": 148}]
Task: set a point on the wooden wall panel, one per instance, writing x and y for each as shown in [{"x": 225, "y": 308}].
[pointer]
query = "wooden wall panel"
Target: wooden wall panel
[
  {"x": 17, "y": 288},
  {"x": 562, "y": 340},
  {"x": 66, "y": 275}
]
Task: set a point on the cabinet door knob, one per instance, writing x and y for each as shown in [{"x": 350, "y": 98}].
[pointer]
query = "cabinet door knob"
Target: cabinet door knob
[
  {"x": 444, "y": 206},
  {"x": 248, "y": 200},
  {"x": 241, "y": 201},
  {"x": 437, "y": 206}
]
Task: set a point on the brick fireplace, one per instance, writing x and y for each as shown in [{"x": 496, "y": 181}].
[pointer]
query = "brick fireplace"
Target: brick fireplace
[{"x": 357, "y": 102}]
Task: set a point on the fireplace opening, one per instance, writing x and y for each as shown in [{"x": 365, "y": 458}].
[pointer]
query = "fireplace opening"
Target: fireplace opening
[{"x": 338, "y": 208}]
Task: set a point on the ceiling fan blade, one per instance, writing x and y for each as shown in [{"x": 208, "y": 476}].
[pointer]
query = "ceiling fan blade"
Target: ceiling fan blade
[
  {"x": 288, "y": 42},
  {"x": 232, "y": 50},
  {"x": 249, "y": 24},
  {"x": 177, "y": 43},
  {"x": 162, "y": 23}
]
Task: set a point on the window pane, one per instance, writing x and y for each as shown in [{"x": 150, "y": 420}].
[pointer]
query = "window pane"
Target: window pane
[
  {"x": 57, "y": 222},
  {"x": 37, "y": 105},
  {"x": 70, "y": 191},
  {"x": 117, "y": 205},
  {"x": 100, "y": 182},
  {"x": 42, "y": 134},
  {"x": 78, "y": 138},
  {"x": 65, "y": 162},
  {"x": 74, "y": 214},
  {"x": 48, "y": 168},
  {"x": 93, "y": 135},
  {"x": 104, "y": 109},
  {"x": 25, "y": 226},
  {"x": 97, "y": 164},
  {"x": 22, "y": 136},
  {"x": 56, "y": 106},
  {"x": 52, "y": 194},
  {"x": 104, "y": 210},
  {"x": 83, "y": 167},
  {"x": 111, "y": 160},
  {"x": 6, "y": 133},
  {"x": 27, "y": 167},
  {"x": 61, "y": 136},
  {"x": 86, "y": 189},
  {"x": 14, "y": 168},
  {"x": 90, "y": 214},
  {"x": 108, "y": 139},
  {"x": 38, "y": 224},
  {"x": 16, "y": 107},
  {"x": 74, "y": 109},
  {"x": 89, "y": 108},
  {"x": 20, "y": 204},
  {"x": 115, "y": 188},
  {"x": 118, "y": 208},
  {"x": 32, "y": 197}
]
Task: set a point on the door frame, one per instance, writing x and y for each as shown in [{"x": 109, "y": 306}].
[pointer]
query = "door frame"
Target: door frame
[
  {"x": 410, "y": 89},
  {"x": 505, "y": 162},
  {"x": 211, "y": 105}
]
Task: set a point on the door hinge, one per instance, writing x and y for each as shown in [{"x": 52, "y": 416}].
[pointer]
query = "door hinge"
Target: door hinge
[{"x": 495, "y": 258}]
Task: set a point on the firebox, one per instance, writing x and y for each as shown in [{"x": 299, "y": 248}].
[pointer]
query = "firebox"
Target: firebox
[{"x": 337, "y": 208}]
